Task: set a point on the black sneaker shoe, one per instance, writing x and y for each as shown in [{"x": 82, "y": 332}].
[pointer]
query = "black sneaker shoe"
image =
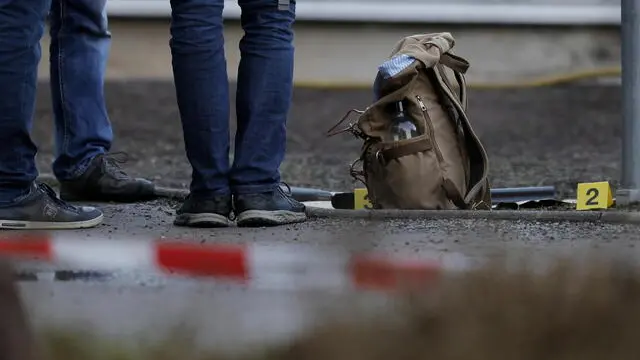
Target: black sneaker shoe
[
  {"x": 104, "y": 180},
  {"x": 268, "y": 209},
  {"x": 205, "y": 213},
  {"x": 41, "y": 209}
]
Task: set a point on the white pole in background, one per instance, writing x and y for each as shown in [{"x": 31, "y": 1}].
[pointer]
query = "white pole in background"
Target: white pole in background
[{"x": 629, "y": 192}]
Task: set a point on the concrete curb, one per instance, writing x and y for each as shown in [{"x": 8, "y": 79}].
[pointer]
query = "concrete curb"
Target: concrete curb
[{"x": 609, "y": 217}]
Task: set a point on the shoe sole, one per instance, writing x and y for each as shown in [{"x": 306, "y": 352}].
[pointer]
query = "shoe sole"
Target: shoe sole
[
  {"x": 44, "y": 225},
  {"x": 270, "y": 218},
  {"x": 204, "y": 220}
]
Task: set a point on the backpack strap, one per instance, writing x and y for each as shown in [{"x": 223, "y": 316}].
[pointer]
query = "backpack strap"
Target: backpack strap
[
  {"x": 472, "y": 194},
  {"x": 459, "y": 66},
  {"x": 454, "y": 62}
]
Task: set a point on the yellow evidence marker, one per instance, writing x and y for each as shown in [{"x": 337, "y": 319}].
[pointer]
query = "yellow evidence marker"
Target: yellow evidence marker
[
  {"x": 596, "y": 195},
  {"x": 361, "y": 199}
]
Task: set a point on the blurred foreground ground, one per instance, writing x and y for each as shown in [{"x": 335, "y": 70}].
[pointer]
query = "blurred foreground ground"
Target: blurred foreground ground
[
  {"x": 230, "y": 318},
  {"x": 570, "y": 311}
]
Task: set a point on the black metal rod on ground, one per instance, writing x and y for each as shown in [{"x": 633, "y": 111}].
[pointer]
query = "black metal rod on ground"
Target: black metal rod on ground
[
  {"x": 310, "y": 194},
  {"x": 516, "y": 194},
  {"x": 498, "y": 195}
]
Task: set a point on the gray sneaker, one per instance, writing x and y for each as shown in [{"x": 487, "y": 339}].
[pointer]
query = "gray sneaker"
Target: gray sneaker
[
  {"x": 41, "y": 209},
  {"x": 204, "y": 213},
  {"x": 104, "y": 180},
  {"x": 269, "y": 209}
]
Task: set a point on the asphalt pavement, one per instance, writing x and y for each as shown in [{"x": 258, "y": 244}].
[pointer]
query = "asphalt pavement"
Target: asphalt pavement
[
  {"x": 542, "y": 136},
  {"x": 537, "y": 136},
  {"x": 228, "y": 317}
]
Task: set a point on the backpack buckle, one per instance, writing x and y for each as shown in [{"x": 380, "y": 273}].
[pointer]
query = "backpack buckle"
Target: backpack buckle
[{"x": 380, "y": 157}]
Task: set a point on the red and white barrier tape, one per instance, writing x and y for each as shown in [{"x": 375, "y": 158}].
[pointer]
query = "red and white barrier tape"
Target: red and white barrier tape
[{"x": 252, "y": 264}]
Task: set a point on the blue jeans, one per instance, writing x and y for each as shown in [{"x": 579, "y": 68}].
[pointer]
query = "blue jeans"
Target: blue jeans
[
  {"x": 79, "y": 46},
  {"x": 263, "y": 97},
  {"x": 80, "y": 42}
]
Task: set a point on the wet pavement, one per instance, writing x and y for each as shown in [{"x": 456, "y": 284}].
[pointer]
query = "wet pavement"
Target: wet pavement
[{"x": 545, "y": 136}]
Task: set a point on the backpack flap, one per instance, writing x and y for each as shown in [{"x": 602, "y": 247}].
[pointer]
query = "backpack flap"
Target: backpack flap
[{"x": 430, "y": 50}]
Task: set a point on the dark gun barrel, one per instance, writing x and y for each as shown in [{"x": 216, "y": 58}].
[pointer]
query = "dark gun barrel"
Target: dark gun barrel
[
  {"x": 498, "y": 195},
  {"x": 517, "y": 194}
]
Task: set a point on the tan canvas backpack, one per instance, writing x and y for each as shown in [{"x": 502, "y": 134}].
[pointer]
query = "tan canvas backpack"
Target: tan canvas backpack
[{"x": 445, "y": 166}]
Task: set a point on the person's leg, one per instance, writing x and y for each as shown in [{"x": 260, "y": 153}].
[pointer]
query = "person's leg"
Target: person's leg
[
  {"x": 202, "y": 90},
  {"x": 22, "y": 203},
  {"x": 79, "y": 50},
  {"x": 265, "y": 82}
]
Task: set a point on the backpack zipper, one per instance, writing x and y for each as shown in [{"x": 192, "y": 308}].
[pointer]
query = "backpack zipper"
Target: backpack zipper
[{"x": 432, "y": 135}]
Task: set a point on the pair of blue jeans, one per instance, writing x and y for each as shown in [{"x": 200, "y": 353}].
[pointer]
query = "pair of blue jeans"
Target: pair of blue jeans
[
  {"x": 263, "y": 97},
  {"x": 80, "y": 43}
]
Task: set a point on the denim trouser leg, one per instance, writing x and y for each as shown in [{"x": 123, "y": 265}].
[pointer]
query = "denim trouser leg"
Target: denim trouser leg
[
  {"x": 265, "y": 77},
  {"x": 80, "y": 42},
  {"x": 21, "y": 28},
  {"x": 202, "y": 89}
]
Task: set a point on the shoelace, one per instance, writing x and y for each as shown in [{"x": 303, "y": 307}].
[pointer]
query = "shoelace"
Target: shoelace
[
  {"x": 288, "y": 192},
  {"x": 112, "y": 163},
  {"x": 54, "y": 197}
]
